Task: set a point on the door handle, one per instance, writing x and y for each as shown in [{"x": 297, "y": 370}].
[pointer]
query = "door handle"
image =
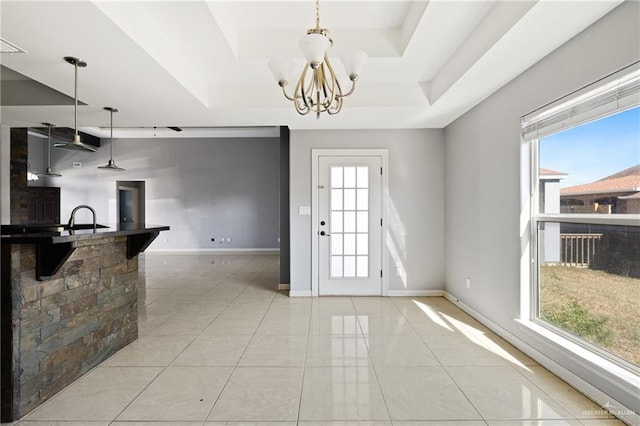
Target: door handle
[{"x": 324, "y": 234}]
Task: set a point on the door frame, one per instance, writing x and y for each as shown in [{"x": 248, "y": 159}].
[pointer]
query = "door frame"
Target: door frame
[
  {"x": 315, "y": 214},
  {"x": 128, "y": 185}
]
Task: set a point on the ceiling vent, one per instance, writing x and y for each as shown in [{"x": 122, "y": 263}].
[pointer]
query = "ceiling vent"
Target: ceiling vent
[{"x": 7, "y": 47}]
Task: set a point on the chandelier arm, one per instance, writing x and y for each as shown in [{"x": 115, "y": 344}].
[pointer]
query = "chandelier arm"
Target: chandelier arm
[
  {"x": 353, "y": 87},
  {"x": 336, "y": 90},
  {"x": 286, "y": 95},
  {"x": 302, "y": 92},
  {"x": 337, "y": 108}
]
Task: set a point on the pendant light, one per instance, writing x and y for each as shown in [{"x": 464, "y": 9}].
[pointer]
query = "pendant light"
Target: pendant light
[
  {"x": 49, "y": 172},
  {"x": 111, "y": 165},
  {"x": 76, "y": 145}
]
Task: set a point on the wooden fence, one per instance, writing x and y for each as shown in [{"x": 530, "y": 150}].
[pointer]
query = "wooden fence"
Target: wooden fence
[{"x": 578, "y": 249}]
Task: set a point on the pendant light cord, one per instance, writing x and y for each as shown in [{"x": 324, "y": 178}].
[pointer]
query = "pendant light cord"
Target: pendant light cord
[
  {"x": 75, "y": 101},
  {"x": 111, "y": 138}
]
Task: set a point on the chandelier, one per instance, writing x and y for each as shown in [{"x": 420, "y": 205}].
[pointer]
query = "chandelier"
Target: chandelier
[{"x": 318, "y": 88}]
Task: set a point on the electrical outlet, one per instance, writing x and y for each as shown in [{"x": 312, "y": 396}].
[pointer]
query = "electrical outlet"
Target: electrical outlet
[
  {"x": 222, "y": 240},
  {"x": 468, "y": 282}
]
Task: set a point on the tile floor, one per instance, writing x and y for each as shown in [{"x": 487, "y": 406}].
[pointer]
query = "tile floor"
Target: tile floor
[{"x": 218, "y": 343}]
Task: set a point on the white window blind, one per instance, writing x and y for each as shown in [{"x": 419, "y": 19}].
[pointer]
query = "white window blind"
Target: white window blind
[{"x": 616, "y": 93}]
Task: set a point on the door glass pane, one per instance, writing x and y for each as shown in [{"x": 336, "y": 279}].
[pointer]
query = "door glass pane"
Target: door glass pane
[
  {"x": 349, "y": 221},
  {"x": 363, "y": 177},
  {"x": 363, "y": 222},
  {"x": 336, "y": 199},
  {"x": 336, "y": 177},
  {"x": 363, "y": 266},
  {"x": 336, "y": 244},
  {"x": 349, "y": 266},
  {"x": 349, "y": 243},
  {"x": 349, "y": 177},
  {"x": 336, "y": 266},
  {"x": 349, "y": 199},
  {"x": 363, "y": 244},
  {"x": 336, "y": 222},
  {"x": 363, "y": 199}
]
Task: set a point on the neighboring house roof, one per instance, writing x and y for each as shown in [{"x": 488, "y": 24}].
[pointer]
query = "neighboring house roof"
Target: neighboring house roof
[
  {"x": 548, "y": 174},
  {"x": 627, "y": 180},
  {"x": 544, "y": 171}
]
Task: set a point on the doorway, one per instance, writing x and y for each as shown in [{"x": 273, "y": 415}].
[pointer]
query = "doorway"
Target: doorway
[
  {"x": 130, "y": 201},
  {"x": 348, "y": 218}
]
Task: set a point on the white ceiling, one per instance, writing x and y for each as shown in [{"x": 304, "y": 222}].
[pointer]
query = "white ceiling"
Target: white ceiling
[{"x": 204, "y": 63}]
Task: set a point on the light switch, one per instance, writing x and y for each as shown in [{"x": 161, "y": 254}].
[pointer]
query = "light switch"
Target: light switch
[{"x": 304, "y": 210}]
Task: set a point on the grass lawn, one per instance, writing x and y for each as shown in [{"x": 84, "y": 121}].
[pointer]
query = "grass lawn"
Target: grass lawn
[{"x": 601, "y": 308}]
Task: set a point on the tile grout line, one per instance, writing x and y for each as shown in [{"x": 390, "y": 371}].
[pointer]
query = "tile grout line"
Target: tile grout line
[
  {"x": 171, "y": 361},
  {"x": 304, "y": 364},
  {"x": 239, "y": 358},
  {"x": 373, "y": 367},
  {"x": 444, "y": 369}
]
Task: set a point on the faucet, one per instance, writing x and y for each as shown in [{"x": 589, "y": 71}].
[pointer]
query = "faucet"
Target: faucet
[{"x": 72, "y": 219}]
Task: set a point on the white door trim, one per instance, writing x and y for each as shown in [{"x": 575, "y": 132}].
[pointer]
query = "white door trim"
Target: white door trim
[{"x": 315, "y": 156}]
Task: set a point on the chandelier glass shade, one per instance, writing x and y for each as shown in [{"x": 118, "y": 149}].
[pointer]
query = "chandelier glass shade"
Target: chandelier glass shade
[{"x": 317, "y": 89}]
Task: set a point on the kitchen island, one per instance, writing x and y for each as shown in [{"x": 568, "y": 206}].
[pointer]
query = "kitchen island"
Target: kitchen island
[{"x": 69, "y": 301}]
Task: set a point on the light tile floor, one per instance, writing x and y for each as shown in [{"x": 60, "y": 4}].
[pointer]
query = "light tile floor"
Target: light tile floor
[{"x": 218, "y": 344}]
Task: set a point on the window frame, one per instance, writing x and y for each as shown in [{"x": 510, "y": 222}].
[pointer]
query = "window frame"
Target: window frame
[{"x": 536, "y": 218}]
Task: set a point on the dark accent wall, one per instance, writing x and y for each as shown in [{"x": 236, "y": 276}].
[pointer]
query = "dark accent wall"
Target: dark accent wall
[
  {"x": 284, "y": 206},
  {"x": 18, "y": 178}
]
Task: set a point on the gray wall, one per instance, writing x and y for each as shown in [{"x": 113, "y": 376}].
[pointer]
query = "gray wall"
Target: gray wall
[
  {"x": 487, "y": 208},
  {"x": 201, "y": 188},
  {"x": 414, "y": 203}
]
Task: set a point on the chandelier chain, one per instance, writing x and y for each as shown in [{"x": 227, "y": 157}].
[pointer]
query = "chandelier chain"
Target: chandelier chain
[{"x": 317, "y": 13}]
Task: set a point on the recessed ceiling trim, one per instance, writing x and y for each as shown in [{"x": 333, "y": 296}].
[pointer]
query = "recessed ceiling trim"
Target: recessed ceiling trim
[
  {"x": 8, "y": 47},
  {"x": 187, "y": 132}
]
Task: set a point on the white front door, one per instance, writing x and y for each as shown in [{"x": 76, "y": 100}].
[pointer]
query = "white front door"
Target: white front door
[{"x": 350, "y": 225}]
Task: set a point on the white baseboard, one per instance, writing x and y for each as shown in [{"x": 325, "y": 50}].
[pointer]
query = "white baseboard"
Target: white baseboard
[
  {"x": 215, "y": 251},
  {"x": 621, "y": 411},
  {"x": 282, "y": 286},
  {"x": 415, "y": 293},
  {"x": 299, "y": 293}
]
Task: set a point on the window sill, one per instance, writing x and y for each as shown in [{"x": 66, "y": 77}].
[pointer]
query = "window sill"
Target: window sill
[{"x": 622, "y": 376}]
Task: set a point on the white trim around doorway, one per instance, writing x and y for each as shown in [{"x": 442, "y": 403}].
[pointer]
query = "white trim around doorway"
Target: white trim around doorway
[{"x": 315, "y": 155}]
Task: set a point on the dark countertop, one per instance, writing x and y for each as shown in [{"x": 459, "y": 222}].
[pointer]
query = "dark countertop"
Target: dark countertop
[
  {"x": 55, "y": 243},
  {"x": 61, "y": 233}
]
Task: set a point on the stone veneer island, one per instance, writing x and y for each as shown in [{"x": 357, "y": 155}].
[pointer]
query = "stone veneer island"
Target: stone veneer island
[{"x": 69, "y": 301}]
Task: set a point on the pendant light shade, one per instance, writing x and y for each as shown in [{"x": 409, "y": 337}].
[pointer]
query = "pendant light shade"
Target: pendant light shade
[
  {"x": 77, "y": 144},
  {"x": 111, "y": 165},
  {"x": 49, "y": 171}
]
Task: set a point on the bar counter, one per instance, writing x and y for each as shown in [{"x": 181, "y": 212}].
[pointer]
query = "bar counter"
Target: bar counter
[{"x": 69, "y": 301}]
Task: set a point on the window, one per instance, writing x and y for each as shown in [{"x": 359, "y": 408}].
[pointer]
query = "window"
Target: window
[{"x": 586, "y": 220}]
